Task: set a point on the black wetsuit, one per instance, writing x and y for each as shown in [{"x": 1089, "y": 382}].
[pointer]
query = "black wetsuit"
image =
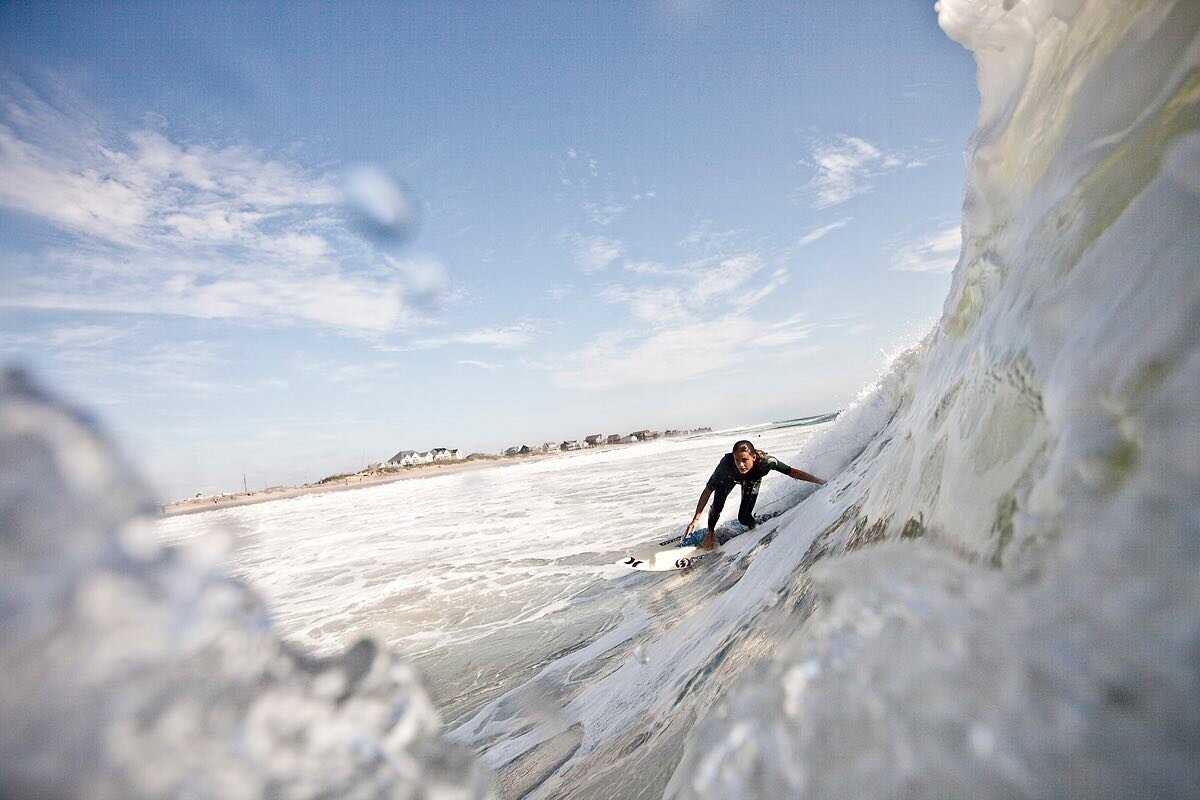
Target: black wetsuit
[{"x": 726, "y": 475}]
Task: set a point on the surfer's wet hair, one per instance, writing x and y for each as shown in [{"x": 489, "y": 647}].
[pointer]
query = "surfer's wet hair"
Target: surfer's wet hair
[{"x": 744, "y": 446}]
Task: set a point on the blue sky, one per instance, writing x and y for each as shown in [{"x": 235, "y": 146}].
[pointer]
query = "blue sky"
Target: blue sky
[{"x": 286, "y": 240}]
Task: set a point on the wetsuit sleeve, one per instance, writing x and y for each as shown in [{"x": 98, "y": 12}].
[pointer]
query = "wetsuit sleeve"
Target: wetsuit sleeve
[{"x": 778, "y": 465}]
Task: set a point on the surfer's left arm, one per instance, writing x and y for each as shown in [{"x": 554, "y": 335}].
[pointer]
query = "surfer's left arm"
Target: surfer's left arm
[
  {"x": 792, "y": 472},
  {"x": 801, "y": 475}
]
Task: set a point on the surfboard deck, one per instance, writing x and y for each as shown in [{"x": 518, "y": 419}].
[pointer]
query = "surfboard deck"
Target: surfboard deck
[
  {"x": 678, "y": 552},
  {"x": 682, "y": 552}
]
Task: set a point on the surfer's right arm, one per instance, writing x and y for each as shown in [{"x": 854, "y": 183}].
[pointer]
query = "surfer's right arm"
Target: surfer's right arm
[{"x": 707, "y": 493}]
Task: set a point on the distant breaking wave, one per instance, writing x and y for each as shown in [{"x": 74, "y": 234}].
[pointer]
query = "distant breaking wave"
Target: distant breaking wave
[{"x": 995, "y": 596}]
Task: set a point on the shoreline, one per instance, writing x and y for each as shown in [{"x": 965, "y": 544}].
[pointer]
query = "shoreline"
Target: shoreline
[{"x": 198, "y": 505}]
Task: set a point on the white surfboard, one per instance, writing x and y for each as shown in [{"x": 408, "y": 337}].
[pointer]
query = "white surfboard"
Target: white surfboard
[
  {"x": 671, "y": 554},
  {"x": 675, "y": 553}
]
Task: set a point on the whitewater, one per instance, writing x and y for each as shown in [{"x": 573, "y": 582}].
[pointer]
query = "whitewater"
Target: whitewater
[{"x": 996, "y": 595}]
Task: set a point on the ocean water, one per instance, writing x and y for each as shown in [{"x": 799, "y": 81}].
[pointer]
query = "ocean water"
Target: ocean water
[{"x": 997, "y": 594}]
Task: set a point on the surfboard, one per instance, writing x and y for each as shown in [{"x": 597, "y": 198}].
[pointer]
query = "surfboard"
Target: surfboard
[
  {"x": 682, "y": 552},
  {"x": 679, "y": 552}
]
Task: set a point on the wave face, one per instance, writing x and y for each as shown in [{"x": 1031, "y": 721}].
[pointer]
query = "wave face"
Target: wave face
[
  {"x": 1011, "y": 612},
  {"x": 1040, "y": 636}
]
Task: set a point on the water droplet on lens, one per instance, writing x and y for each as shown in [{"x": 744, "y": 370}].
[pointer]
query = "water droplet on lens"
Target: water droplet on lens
[{"x": 384, "y": 207}]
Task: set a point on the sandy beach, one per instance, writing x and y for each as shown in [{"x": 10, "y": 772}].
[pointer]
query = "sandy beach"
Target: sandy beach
[{"x": 198, "y": 505}]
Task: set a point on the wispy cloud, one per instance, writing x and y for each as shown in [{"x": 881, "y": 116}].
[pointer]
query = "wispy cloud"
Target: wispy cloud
[
  {"x": 470, "y": 362},
  {"x": 846, "y": 167},
  {"x": 676, "y": 353},
  {"x": 602, "y": 197},
  {"x": 594, "y": 253},
  {"x": 214, "y": 290},
  {"x": 559, "y": 292},
  {"x": 822, "y": 232},
  {"x": 700, "y": 287},
  {"x": 191, "y": 228},
  {"x": 694, "y": 321},
  {"x": 511, "y": 337},
  {"x": 935, "y": 252},
  {"x": 706, "y": 240},
  {"x": 87, "y": 336}
]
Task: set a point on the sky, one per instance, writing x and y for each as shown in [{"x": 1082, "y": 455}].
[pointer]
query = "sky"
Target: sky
[{"x": 265, "y": 243}]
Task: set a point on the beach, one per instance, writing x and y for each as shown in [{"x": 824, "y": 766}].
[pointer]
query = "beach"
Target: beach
[{"x": 358, "y": 480}]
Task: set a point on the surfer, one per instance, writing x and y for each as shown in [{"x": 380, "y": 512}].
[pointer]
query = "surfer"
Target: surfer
[{"x": 746, "y": 466}]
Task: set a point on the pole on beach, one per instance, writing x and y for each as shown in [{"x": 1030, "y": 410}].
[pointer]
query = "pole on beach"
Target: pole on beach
[{"x": 244, "y": 486}]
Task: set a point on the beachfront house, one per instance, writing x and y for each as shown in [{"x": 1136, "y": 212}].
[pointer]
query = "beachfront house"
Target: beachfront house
[
  {"x": 405, "y": 458},
  {"x": 595, "y": 440},
  {"x": 444, "y": 454},
  {"x": 570, "y": 444}
]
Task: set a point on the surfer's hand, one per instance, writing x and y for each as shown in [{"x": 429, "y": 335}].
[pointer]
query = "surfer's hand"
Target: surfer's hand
[{"x": 691, "y": 526}]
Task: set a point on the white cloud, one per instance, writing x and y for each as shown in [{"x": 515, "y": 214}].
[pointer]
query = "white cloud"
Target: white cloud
[
  {"x": 936, "y": 252},
  {"x": 470, "y": 362},
  {"x": 692, "y": 327},
  {"x": 605, "y": 213},
  {"x": 191, "y": 228},
  {"x": 706, "y": 241},
  {"x": 651, "y": 268},
  {"x": 510, "y": 338},
  {"x": 745, "y": 301},
  {"x": 821, "y": 232},
  {"x": 261, "y": 291},
  {"x": 707, "y": 288},
  {"x": 594, "y": 253},
  {"x": 676, "y": 353},
  {"x": 654, "y": 305},
  {"x": 499, "y": 338},
  {"x": 846, "y": 167},
  {"x": 559, "y": 292},
  {"x": 86, "y": 336}
]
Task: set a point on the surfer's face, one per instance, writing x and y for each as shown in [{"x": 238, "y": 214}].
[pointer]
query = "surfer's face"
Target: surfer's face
[{"x": 743, "y": 461}]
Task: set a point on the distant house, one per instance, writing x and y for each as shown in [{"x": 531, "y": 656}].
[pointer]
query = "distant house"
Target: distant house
[
  {"x": 411, "y": 458},
  {"x": 549, "y": 447},
  {"x": 512, "y": 451},
  {"x": 644, "y": 436},
  {"x": 570, "y": 444},
  {"x": 405, "y": 458},
  {"x": 614, "y": 438},
  {"x": 595, "y": 440}
]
